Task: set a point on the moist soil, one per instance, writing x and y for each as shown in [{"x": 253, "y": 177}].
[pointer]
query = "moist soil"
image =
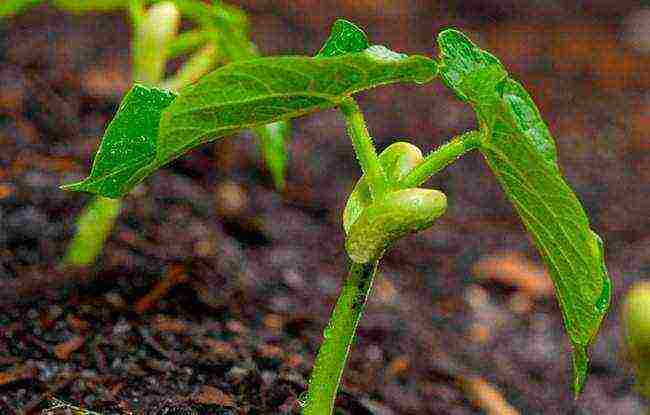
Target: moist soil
[{"x": 213, "y": 289}]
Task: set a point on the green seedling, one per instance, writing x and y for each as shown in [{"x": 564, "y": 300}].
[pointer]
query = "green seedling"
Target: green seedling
[
  {"x": 636, "y": 334},
  {"x": 220, "y": 36},
  {"x": 154, "y": 126}
]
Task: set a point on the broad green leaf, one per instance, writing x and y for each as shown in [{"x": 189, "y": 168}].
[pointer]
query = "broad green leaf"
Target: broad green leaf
[
  {"x": 244, "y": 95},
  {"x": 10, "y": 8},
  {"x": 259, "y": 91},
  {"x": 521, "y": 153},
  {"x": 129, "y": 143}
]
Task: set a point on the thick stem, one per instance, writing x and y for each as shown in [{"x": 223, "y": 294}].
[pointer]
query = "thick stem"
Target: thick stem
[
  {"x": 374, "y": 173},
  {"x": 337, "y": 338},
  {"x": 441, "y": 158}
]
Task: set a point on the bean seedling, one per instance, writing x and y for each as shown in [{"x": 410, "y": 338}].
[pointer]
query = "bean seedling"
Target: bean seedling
[{"x": 154, "y": 126}]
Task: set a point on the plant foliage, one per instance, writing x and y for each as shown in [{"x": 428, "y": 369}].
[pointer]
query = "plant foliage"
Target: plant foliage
[{"x": 521, "y": 153}]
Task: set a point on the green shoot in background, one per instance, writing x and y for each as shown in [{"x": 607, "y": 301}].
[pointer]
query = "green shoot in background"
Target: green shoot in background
[
  {"x": 155, "y": 126},
  {"x": 635, "y": 330},
  {"x": 221, "y": 36}
]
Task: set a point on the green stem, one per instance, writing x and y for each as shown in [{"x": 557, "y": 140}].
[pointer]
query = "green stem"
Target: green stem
[
  {"x": 199, "y": 64},
  {"x": 185, "y": 42},
  {"x": 153, "y": 33},
  {"x": 441, "y": 158},
  {"x": 374, "y": 173},
  {"x": 135, "y": 10},
  {"x": 93, "y": 226},
  {"x": 337, "y": 339}
]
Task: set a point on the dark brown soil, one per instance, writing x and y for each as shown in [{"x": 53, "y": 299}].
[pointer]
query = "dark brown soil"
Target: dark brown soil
[{"x": 252, "y": 283}]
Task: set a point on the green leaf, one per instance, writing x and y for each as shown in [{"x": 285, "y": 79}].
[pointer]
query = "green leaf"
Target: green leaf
[
  {"x": 260, "y": 91},
  {"x": 346, "y": 37},
  {"x": 129, "y": 143},
  {"x": 10, "y": 8},
  {"x": 244, "y": 95},
  {"x": 521, "y": 153}
]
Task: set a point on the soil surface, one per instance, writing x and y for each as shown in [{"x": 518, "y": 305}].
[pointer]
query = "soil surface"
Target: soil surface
[{"x": 213, "y": 290}]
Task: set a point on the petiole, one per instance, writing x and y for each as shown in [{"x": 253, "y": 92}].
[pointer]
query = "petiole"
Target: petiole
[
  {"x": 441, "y": 158},
  {"x": 364, "y": 148}
]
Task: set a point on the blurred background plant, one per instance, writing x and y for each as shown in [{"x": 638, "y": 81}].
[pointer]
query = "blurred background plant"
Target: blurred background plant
[
  {"x": 221, "y": 36},
  {"x": 636, "y": 334}
]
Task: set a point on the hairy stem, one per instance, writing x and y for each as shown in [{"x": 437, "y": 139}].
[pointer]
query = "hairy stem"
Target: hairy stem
[
  {"x": 441, "y": 158},
  {"x": 337, "y": 339},
  {"x": 374, "y": 173}
]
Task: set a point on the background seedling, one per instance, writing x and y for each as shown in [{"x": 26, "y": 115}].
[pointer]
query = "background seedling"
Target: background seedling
[
  {"x": 635, "y": 331},
  {"x": 386, "y": 204},
  {"x": 221, "y": 36}
]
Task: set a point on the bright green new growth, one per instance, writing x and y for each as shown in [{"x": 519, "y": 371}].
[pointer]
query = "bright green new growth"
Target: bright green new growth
[
  {"x": 521, "y": 152},
  {"x": 371, "y": 227}
]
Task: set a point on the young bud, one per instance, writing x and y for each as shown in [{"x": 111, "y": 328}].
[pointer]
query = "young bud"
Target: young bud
[
  {"x": 395, "y": 215},
  {"x": 398, "y": 160}
]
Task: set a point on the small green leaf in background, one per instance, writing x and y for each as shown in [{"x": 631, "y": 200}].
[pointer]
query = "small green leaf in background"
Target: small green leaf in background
[
  {"x": 129, "y": 143},
  {"x": 521, "y": 153}
]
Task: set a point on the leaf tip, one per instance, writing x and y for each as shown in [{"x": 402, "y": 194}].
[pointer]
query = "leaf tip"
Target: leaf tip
[
  {"x": 345, "y": 37},
  {"x": 580, "y": 367}
]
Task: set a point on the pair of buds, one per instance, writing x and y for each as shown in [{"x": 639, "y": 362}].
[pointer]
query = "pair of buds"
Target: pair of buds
[{"x": 372, "y": 226}]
